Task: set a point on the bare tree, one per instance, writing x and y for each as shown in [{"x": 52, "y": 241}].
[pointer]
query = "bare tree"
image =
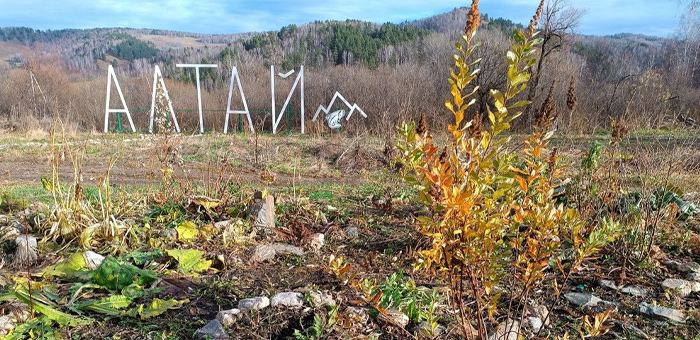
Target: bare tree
[{"x": 559, "y": 22}]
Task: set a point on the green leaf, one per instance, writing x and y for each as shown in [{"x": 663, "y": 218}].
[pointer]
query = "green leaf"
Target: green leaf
[
  {"x": 115, "y": 276},
  {"x": 189, "y": 261},
  {"x": 187, "y": 231},
  {"x": 109, "y": 305},
  {"x": 50, "y": 312},
  {"x": 158, "y": 307}
]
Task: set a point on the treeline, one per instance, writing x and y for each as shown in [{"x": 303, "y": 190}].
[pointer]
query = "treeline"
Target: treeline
[{"x": 393, "y": 71}]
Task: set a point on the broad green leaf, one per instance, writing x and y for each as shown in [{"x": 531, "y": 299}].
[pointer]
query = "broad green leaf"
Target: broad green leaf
[
  {"x": 187, "y": 231},
  {"x": 189, "y": 261},
  {"x": 115, "y": 276},
  {"x": 50, "y": 312},
  {"x": 158, "y": 307},
  {"x": 109, "y": 305}
]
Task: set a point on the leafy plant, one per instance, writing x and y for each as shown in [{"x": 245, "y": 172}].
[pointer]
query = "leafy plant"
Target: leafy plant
[
  {"x": 493, "y": 211},
  {"x": 189, "y": 261}
]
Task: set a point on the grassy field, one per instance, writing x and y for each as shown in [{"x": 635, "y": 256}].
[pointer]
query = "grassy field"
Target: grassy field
[{"x": 346, "y": 188}]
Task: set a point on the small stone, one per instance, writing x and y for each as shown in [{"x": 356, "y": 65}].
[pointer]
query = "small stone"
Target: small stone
[
  {"x": 635, "y": 291},
  {"x": 214, "y": 330},
  {"x": 352, "y": 232},
  {"x": 424, "y": 328},
  {"x": 692, "y": 267},
  {"x": 6, "y": 325},
  {"x": 92, "y": 260},
  {"x": 668, "y": 313},
  {"x": 694, "y": 286},
  {"x": 319, "y": 299},
  {"x": 222, "y": 225},
  {"x": 394, "y": 317},
  {"x": 680, "y": 287},
  {"x": 582, "y": 299},
  {"x": 541, "y": 312},
  {"x": 693, "y": 277},
  {"x": 507, "y": 330},
  {"x": 4, "y": 220},
  {"x": 265, "y": 252},
  {"x": 317, "y": 241},
  {"x": 608, "y": 284},
  {"x": 289, "y": 299},
  {"x": 25, "y": 249},
  {"x": 170, "y": 234},
  {"x": 227, "y": 317},
  {"x": 253, "y": 303},
  {"x": 675, "y": 265},
  {"x": 21, "y": 228},
  {"x": 535, "y": 323}
]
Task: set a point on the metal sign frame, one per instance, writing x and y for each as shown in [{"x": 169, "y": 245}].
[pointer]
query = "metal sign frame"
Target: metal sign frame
[
  {"x": 235, "y": 76},
  {"x": 158, "y": 78},
  {"x": 277, "y": 117},
  {"x": 199, "y": 89},
  {"x": 328, "y": 108},
  {"x": 111, "y": 75}
]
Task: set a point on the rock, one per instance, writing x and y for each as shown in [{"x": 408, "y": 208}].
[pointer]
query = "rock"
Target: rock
[
  {"x": 680, "y": 287},
  {"x": 507, "y": 330},
  {"x": 227, "y": 317},
  {"x": 317, "y": 241},
  {"x": 92, "y": 260},
  {"x": 264, "y": 252},
  {"x": 4, "y": 220},
  {"x": 394, "y": 317},
  {"x": 668, "y": 313},
  {"x": 535, "y": 323},
  {"x": 423, "y": 328},
  {"x": 541, "y": 312},
  {"x": 265, "y": 217},
  {"x": 635, "y": 291},
  {"x": 352, "y": 232},
  {"x": 582, "y": 299},
  {"x": 319, "y": 299},
  {"x": 25, "y": 250},
  {"x": 6, "y": 325},
  {"x": 692, "y": 267},
  {"x": 253, "y": 303},
  {"x": 8, "y": 233},
  {"x": 693, "y": 277},
  {"x": 214, "y": 330},
  {"x": 608, "y": 284},
  {"x": 695, "y": 286},
  {"x": 21, "y": 228},
  {"x": 222, "y": 225},
  {"x": 170, "y": 234},
  {"x": 289, "y": 299}
]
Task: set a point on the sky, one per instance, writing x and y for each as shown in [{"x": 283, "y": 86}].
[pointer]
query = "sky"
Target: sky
[{"x": 603, "y": 17}]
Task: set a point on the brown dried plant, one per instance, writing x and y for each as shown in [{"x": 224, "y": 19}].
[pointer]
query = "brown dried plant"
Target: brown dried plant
[{"x": 548, "y": 113}]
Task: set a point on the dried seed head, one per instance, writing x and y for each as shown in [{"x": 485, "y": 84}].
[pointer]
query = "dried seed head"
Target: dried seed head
[
  {"x": 536, "y": 18},
  {"x": 619, "y": 129},
  {"x": 477, "y": 128},
  {"x": 571, "y": 99},
  {"x": 443, "y": 155},
  {"x": 422, "y": 125},
  {"x": 473, "y": 19},
  {"x": 548, "y": 112},
  {"x": 552, "y": 162},
  {"x": 435, "y": 192}
]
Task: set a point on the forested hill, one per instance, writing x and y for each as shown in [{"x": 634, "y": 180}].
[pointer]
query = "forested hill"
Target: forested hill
[{"x": 317, "y": 44}]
